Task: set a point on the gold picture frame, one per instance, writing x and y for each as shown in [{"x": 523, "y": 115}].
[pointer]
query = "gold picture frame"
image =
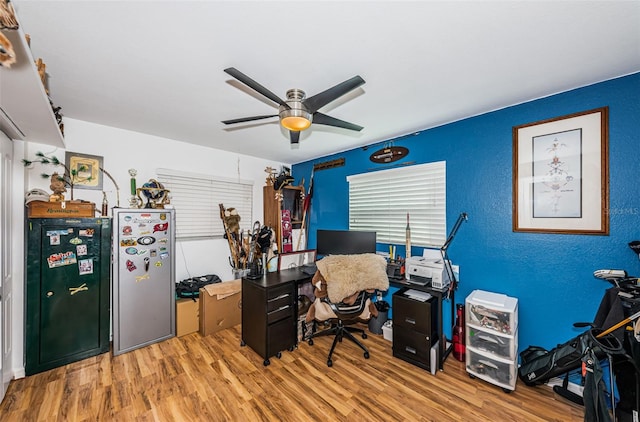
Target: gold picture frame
[
  {"x": 561, "y": 174},
  {"x": 85, "y": 171}
]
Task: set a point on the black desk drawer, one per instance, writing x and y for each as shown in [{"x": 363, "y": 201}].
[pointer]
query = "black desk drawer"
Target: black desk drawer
[
  {"x": 285, "y": 311},
  {"x": 280, "y": 336},
  {"x": 413, "y": 314},
  {"x": 276, "y": 292},
  {"x": 278, "y": 302},
  {"x": 411, "y": 344}
]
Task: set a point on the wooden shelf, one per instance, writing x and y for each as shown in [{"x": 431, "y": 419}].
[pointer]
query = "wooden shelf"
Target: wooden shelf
[
  {"x": 291, "y": 198},
  {"x": 25, "y": 112}
]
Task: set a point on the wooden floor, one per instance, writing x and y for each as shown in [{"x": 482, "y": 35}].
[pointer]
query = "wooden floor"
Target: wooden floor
[{"x": 213, "y": 378}]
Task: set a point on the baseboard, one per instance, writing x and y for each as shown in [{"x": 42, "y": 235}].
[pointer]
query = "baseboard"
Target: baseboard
[{"x": 18, "y": 373}]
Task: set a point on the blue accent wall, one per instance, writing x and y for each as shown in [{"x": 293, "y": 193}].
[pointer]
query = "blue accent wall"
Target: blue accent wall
[{"x": 550, "y": 274}]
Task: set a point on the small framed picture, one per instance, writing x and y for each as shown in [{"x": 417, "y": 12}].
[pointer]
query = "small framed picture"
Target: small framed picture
[
  {"x": 86, "y": 170},
  {"x": 296, "y": 259}
]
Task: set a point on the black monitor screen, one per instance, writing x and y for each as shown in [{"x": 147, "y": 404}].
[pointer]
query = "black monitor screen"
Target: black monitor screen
[{"x": 345, "y": 242}]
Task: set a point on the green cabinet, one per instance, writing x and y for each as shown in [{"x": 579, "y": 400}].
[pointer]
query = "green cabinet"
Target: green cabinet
[{"x": 68, "y": 263}]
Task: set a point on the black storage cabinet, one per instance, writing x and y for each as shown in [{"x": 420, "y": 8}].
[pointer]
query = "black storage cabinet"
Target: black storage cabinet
[
  {"x": 268, "y": 316},
  {"x": 414, "y": 328}
]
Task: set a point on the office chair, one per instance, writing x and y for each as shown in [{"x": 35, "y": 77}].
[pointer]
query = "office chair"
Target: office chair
[{"x": 344, "y": 314}]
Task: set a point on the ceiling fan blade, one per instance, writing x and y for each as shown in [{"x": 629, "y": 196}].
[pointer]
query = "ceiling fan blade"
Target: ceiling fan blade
[
  {"x": 295, "y": 136},
  {"x": 255, "y": 86},
  {"x": 316, "y": 102},
  {"x": 247, "y": 119},
  {"x": 323, "y": 119}
]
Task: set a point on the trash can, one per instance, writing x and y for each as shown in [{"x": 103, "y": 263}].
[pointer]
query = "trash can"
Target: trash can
[{"x": 375, "y": 324}]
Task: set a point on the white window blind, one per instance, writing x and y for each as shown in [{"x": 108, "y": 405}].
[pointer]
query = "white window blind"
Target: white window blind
[
  {"x": 196, "y": 197},
  {"x": 379, "y": 201}
]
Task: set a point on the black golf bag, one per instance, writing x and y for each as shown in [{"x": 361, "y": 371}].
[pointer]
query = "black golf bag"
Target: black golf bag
[
  {"x": 539, "y": 365},
  {"x": 620, "y": 347}
]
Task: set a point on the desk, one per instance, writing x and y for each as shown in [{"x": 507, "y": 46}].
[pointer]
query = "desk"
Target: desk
[
  {"x": 270, "y": 312},
  {"x": 439, "y": 294}
]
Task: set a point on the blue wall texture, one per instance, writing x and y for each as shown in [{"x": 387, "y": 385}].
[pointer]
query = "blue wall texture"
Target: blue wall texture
[{"x": 550, "y": 274}]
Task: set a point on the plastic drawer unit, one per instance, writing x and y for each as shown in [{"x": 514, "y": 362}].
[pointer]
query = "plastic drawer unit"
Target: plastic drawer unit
[{"x": 492, "y": 338}]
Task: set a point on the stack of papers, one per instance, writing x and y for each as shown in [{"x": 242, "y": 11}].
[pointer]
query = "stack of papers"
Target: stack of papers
[{"x": 417, "y": 295}]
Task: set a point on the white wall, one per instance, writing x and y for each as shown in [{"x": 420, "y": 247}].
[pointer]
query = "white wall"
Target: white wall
[{"x": 122, "y": 150}]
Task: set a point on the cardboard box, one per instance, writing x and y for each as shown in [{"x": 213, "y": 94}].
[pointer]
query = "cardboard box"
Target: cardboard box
[
  {"x": 187, "y": 316},
  {"x": 64, "y": 209},
  {"x": 220, "y": 306}
]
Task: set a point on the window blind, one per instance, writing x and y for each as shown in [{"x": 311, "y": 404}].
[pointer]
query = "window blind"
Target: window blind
[
  {"x": 196, "y": 198},
  {"x": 379, "y": 201}
]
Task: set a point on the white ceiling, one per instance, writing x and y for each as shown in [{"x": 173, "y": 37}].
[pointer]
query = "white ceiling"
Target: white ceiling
[{"x": 157, "y": 66}]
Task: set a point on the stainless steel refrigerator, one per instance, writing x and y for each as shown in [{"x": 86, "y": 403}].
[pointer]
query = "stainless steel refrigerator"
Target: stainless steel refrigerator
[{"x": 143, "y": 277}]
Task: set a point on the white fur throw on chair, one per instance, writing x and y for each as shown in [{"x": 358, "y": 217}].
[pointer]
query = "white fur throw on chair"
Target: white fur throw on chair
[{"x": 348, "y": 274}]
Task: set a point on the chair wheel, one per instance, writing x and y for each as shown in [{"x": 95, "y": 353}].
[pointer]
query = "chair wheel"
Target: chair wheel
[
  {"x": 366, "y": 355},
  {"x": 329, "y": 363},
  {"x": 310, "y": 342},
  {"x": 364, "y": 335},
  {"x": 279, "y": 355},
  {"x": 242, "y": 343},
  {"x": 266, "y": 362}
]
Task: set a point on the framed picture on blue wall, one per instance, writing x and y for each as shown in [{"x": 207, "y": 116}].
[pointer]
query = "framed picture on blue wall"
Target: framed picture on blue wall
[{"x": 561, "y": 174}]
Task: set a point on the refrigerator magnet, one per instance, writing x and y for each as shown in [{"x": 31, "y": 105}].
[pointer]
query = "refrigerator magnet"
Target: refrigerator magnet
[
  {"x": 130, "y": 265},
  {"x": 54, "y": 239},
  {"x": 61, "y": 259},
  {"x": 81, "y": 250},
  {"x": 86, "y": 232},
  {"x": 161, "y": 227},
  {"x": 85, "y": 266}
]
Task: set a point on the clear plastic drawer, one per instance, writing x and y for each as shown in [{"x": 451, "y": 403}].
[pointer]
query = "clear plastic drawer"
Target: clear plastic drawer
[
  {"x": 501, "y": 345},
  {"x": 491, "y": 368},
  {"x": 494, "y": 311}
]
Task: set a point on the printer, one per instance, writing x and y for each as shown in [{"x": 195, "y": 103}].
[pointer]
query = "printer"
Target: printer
[{"x": 428, "y": 270}]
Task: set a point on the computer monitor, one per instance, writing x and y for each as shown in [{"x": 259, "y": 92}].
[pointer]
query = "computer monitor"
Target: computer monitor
[{"x": 345, "y": 242}]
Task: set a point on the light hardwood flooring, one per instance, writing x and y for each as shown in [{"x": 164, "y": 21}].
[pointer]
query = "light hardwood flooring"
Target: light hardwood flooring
[{"x": 213, "y": 378}]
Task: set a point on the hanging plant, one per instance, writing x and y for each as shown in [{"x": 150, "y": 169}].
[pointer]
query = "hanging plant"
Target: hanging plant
[{"x": 54, "y": 161}]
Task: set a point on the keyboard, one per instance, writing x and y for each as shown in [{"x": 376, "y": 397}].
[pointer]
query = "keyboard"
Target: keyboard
[{"x": 309, "y": 268}]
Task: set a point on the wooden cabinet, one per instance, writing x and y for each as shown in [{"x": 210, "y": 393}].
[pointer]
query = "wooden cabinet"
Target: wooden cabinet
[
  {"x": 284, "y": 205},
  {"x": 269, "y": 315},
  {"x": 414, "y": 328}
]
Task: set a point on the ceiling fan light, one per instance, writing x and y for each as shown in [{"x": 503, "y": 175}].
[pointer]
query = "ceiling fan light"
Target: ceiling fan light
[{"x": 295, "y": 119}]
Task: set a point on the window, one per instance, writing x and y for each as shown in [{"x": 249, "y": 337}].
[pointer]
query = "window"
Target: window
[
  {"x": 379, "y": 201},
  {"x": 196, "y": 198}
]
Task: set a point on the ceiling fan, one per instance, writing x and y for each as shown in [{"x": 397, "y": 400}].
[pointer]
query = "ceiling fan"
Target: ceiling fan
[{"x": 298, "y": 112}]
